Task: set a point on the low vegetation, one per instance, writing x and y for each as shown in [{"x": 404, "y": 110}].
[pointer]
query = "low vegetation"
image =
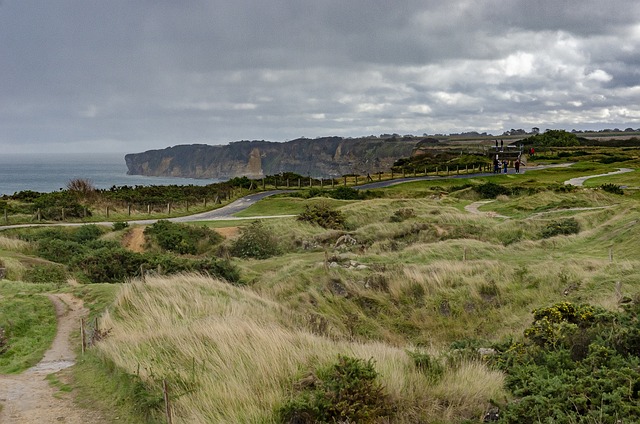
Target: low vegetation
[{"x": 391, "y": 306}]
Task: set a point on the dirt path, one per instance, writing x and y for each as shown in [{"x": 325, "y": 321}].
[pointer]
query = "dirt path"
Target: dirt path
[
  {"x": 473, "y": 208},
  {"x": 28, "y": 398}
]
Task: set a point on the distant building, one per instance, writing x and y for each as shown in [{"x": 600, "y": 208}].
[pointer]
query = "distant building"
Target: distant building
[{"x": 535, "y": 130}]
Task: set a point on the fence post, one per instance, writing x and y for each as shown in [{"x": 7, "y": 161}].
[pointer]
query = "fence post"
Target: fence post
[
  {"x": 436, "y": 171},
  {"x": 169, "y": 208},
  {"x": 148, "y": 209},
  {"x": 299, "y": 183},
  {"x": 129, "y": 209},
  {"x": 321, "y": 182},
  {"x": 167, "y": 406},
  {"x": 107, "y": 211},
  {"x": 82, "y": 336},
  {"x": 6, "y": 217},
  {"x": 403, "y": 173},
  {"x": 345, "y": 180},
  {"x": 63, "y": 214},
  {"x": 356, "y": 180},
  {"x": 310, "y": 181}
]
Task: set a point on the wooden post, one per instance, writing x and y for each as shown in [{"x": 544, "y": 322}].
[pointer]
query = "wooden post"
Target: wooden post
[
  {"x": 457, "y": 170},
  {"x": 129, "y": 209},
  {"x": 204, "y": 202},
  {"x": 332, "y": 182},
  {"x": 107, "y": 211},
  {"x": 263, "y": 183},
  {"x": 425, "y": 170},
  {"x": 436, "y": 171},
  {"x": 82, "y": 337},
  {"x": 276, "y": 183},
  {"x": 466, "y": 169},
  {"x": 447, "y": 170},
  {"x": 167, "y": 406},
  {"x": 6, "y": 216},
  {"x": 392, "y": 174},
  {"x": 299, "y": 183},
  {"x": 63, "y": 214},
  {"x": 345, "y": 180},
  {"x": 287, "y": 182},
  {"x": 149, "y": 209},
  {"x": 310, "y": 181},
  {"x": 415, "y": 173},
  {"x": 356, "y": 180},
  {"x": 610, "y": 254},
  {"x": 403, "y": 173},
  {"x": 169, "y": 208},
  {"x": 379, "y": 176},
  {"x": 321, "y": 182}
]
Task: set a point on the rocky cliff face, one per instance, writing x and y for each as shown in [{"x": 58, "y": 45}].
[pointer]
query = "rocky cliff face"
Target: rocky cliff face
[{"x": 323, "y": 157}]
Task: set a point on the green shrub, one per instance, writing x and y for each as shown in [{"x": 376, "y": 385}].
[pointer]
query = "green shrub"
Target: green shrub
[
  {"x": 345, "y": 193},
  {"x": 427, "y": 364},
  {"x": 45, "y": 274},
  {"x": 120, "y": 225},
  {"x": 491, "y": 190},
  {"x": 322, "y": 215},
  {"x": 563, "y": 227},
  {"x": 347, "y": 391},
  {"x": 60, "y": 251},
  {"x": 578, "y": 364},
  {"x": 87, "y": 233},
  {"x": 109, "y": 265},
  {"x": 612, "y": 188},
  {"x": 182, "y": 238},
  {"x": 255, "y": 241}
]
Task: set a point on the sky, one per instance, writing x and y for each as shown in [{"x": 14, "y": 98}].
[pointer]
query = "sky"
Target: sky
[{"x": 128, "y": 76}]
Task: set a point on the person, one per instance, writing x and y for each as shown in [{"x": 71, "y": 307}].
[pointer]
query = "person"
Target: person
[
  {"x": 496, "y": 145},
  {"x": 517, "y": 165},
  {"x": 532, "y": 151},
  {"x": 502, "y": 145},
  {"x": 496, "y": 165},
  {"x": 504, "y": 165}
]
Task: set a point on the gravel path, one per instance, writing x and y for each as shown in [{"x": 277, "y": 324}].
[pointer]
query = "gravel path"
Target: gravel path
[
  {"x": 28, "y": 398},
  {"x": 579, "y": 181}
]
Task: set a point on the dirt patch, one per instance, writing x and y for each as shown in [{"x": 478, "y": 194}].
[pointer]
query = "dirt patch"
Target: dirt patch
[
  {"x": 134, "y": 240},
  {"x": 228, "y": 232},
  {"x": 28, "y": 397}
]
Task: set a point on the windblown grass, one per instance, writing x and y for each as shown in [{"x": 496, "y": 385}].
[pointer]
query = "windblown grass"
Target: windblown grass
[{"x": 235, "y": 354}]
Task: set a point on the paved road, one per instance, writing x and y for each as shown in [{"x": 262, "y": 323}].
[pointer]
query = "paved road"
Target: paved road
[
  {"x": 227, "y": 212},
  {"x": 220, "y": 214},
  {"x": 579, "y": 181}
]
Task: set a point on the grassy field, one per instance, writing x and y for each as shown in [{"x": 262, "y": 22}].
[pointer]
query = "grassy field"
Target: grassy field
[{"x": 418, "y": 284}]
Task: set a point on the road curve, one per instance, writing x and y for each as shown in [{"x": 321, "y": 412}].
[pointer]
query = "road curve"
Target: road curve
[{"x": 579, "y": 181}]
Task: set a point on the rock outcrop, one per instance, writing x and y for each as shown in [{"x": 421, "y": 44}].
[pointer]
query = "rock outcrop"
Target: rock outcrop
[{"x": 322, "y": 157}]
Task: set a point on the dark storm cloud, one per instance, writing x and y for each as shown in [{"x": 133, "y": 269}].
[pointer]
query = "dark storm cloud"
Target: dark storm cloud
[{"x": 129, "y": 76}]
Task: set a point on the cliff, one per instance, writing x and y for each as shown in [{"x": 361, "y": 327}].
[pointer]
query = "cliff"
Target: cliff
[{"x": 322, "y": 157}]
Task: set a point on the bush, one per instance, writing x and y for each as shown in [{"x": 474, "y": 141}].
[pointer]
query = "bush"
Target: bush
[
  {"x": 182, "y": 238},
  {"x": 121, "y": 225},
  {"x": 570, "y": 368},
  {"x": 60, "y": 251},
  {"x": 322, "y": 215},
  {"x": 491, "y": 190},
  {"x": 109, "y": 265},
  {"x": 563, "y": 227},
  {"x": 345, "y": 193},
  {"x": 612, "y": 188},
  {"x": 347, "y": 391},
  {"x": 87, "y": 233},
  {"x": 255, "y": 241},
  {"x": 44, "y": 274}
]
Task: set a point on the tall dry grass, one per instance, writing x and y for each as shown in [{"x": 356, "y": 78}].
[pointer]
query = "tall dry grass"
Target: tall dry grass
[{"x": 235, "y": 354}]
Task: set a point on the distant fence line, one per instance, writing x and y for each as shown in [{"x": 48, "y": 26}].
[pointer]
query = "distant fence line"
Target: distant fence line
[{"x": 123, "y": 209}]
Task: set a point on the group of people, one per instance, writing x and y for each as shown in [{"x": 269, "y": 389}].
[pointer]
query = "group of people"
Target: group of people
[{"x": 503, "y": 166}]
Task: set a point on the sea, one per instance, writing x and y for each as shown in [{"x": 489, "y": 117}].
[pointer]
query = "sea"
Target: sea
[{"x": 46, "y": 173}]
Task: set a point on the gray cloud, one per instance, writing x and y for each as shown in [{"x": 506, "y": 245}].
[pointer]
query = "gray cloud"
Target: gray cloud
[{"x": 130, "y": 76}]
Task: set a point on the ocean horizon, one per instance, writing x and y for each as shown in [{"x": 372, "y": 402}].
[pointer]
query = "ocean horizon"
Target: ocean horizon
[{"x": 46, "y": 173}]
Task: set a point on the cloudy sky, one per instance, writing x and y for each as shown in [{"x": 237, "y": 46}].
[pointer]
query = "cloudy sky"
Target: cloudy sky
[{"x": 128, "y": 76}]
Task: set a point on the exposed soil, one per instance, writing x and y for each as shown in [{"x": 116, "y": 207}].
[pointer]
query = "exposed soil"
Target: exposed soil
[
  {"x": 228, "y": 232},
  {"x": 473, "y": 209},
  {"x": 28, "y": 398},
  {"x": 134, "y": 239}
]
